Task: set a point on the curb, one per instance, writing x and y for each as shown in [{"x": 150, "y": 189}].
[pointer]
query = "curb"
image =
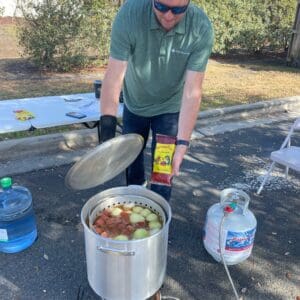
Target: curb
[
  {"x": 221, "y": 120},
  {"x": 280, "y": 104},
  {"x": 34, "y": 153},
  {"x": 65, "y": 142}
]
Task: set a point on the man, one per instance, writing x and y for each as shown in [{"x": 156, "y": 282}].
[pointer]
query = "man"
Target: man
[{"x": 159, "y": 52}]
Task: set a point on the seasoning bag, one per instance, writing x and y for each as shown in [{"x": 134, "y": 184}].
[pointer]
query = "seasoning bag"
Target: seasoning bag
[
  {"x": 162, "y": 161},
  {"x": 23, "y": 115}
]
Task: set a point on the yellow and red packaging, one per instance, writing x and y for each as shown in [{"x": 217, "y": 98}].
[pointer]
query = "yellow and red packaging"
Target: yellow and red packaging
[{"x": 162, "y": 161}]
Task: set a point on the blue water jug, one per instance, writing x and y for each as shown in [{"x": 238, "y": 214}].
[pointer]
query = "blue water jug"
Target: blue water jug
[{"x": 17, "y": 220}]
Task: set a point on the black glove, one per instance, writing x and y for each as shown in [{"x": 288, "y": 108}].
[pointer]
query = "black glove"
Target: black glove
[{"x": 107, "y": 128}]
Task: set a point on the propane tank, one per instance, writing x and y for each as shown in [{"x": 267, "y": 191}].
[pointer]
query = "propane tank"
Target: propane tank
[{"x": 231, "y": 226}]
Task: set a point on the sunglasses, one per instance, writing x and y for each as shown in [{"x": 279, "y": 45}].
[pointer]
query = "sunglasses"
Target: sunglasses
[{"x": 176, "y": 10}]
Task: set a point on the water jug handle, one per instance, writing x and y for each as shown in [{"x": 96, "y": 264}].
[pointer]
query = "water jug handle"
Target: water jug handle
[{"x": 231, "y": 194}]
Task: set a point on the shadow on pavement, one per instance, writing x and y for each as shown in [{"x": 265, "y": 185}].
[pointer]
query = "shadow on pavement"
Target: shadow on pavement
[{"x": 54, "y": 267}]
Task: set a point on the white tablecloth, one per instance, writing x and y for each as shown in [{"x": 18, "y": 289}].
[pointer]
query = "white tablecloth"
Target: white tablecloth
[{"x": 49, "y": 111}]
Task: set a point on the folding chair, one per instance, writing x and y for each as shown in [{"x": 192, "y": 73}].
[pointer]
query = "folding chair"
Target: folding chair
[{"x": 287, "y": 155}]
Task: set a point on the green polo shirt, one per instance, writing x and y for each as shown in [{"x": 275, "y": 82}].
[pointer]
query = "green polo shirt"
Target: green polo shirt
[{"x": 158, "y": 60}]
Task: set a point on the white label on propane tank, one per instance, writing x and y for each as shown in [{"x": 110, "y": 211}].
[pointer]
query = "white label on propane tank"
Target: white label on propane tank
[
  {"x": 240, "y": 241},
  {"x": 212, "y": 236},
  {"x": 3, "y": 235}
]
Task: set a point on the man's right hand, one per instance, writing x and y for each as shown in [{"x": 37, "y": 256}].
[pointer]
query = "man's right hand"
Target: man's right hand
[{"x": 107, "y": 128}]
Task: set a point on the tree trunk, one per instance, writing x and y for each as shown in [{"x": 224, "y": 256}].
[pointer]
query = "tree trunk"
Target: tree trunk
[
  {"x": 120, "y": 2},
  {"x": 293, "y": 57}
]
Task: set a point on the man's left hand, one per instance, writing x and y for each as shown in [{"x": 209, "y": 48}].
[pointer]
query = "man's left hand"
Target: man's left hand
[{"x": 178, "y": 158}]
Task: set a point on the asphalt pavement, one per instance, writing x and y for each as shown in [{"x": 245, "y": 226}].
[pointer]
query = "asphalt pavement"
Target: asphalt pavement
[{"x": 54, "y": 267}]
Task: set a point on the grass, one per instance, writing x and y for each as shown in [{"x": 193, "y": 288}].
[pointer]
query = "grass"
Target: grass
[
  {"x": 233, "y": 82},
  {"x": 229, "y": 81},
  {"x": 19, "y": 79}
]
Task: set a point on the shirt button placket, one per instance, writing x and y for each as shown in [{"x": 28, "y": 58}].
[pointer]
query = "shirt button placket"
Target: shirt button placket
[{"x": 162, "y": 50}]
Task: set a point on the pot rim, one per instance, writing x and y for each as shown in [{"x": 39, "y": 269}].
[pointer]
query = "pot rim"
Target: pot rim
[{"x": 136, "y": 188}]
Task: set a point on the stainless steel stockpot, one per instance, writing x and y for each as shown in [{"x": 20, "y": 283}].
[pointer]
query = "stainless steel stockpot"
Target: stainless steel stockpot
[
  {"x": 126, "y": 270},
  {"x": 120, "y": 270}
]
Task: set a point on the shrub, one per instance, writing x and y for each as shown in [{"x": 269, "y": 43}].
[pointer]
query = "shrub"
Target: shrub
[
  {"x": 97, "y": 25},
  {"x": 250, "y": 25},
  {"x": 62, "y": 34},
  {"x": 51, "y": 33}
]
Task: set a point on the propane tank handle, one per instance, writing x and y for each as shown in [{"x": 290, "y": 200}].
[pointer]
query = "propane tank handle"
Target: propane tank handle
[{"x": 231, "y": 195}]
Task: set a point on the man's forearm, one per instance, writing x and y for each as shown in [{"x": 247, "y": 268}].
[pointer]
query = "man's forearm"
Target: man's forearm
[
  {"x": 111, "y": 87},
  {"x": 187, "y": 117},
  {"x": 109, "y": 96},
  {"x": 190, "y": 105}
]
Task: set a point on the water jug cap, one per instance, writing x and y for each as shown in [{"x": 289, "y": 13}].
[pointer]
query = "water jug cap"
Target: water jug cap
[
  {"x": 6, "y": 182},
  {"x": 15, "y": 200}
]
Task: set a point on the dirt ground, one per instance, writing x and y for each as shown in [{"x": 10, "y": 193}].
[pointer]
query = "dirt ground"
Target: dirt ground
[
  {"x": 231, "y": 80},
  {"x": 6, "y": 20}
]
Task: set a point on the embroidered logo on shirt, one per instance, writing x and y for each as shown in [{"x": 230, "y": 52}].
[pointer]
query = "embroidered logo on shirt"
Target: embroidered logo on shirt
[{"x": 180, "y": 52}]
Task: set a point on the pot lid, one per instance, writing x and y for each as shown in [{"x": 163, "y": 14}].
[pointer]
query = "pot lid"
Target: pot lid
[{"x": 104, "y": 162}]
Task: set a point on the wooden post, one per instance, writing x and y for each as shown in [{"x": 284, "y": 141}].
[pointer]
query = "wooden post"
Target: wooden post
[{"x": 293, "y": 57}]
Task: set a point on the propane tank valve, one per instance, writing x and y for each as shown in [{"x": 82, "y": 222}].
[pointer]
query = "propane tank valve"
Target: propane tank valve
[{"x": 230, "y": 208}]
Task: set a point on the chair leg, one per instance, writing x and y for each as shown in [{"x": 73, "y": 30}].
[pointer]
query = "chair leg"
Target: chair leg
[
  {"x": 287, "y": 168},
  {"x": 286, "y": 172},
  {"x": 265, "y": 178}
]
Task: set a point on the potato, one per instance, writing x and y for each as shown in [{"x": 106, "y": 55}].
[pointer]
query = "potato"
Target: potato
[
  {"x": 154, "y": 225},
  {"x": 136, "y": 218},
  {"x": 152, "y": 217},
  {"x": 121, "y": 237},
  {"x": 116, "y": 211},
  {"x": 145, "y": 212},
  {"x": 140, "y": 233},
  {"x": 128, "y": 206},
  {"x": 137, "y": 209}
]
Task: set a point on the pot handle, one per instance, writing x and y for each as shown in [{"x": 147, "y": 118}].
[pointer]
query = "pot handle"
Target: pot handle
[{"x": 115, "y": 251}]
